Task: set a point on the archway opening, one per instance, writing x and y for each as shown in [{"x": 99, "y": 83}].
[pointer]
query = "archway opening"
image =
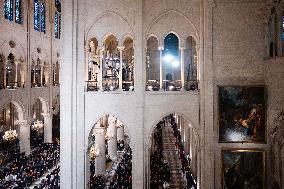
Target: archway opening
[
  {"x": 171, "y": 63},
  {"x": 37, "y": 127},
  {"x": 109, "y": 156},
  {"x": 56, "y": 120},
  {"x": 190, "y": 64},
  {"x": 9, "y": 132},
  {"x": 111, "y": 64},
  {"x": 93, "y": 67},
  {"x": 128, "y": 65},
  {"x": 152, "y": 65},
  {"x": 172, "y": 158}
]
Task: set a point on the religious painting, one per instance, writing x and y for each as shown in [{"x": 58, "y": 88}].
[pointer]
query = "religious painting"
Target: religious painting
[
  {"x": 242, "y": 114},
  {"x": 243, "y": 169}
]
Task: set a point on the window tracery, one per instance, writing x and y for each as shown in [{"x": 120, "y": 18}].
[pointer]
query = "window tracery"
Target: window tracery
[
  {"x": 8, "y": 9},
  {"x": 39, "y": 15},
  {"x": 57, "y": 19}
]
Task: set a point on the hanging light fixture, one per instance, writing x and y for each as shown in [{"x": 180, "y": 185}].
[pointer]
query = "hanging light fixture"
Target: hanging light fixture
[
  {"x": 94, "y": 151},
  {"x": 37, "y": 125},
  {"x": 11, "y": 135}
]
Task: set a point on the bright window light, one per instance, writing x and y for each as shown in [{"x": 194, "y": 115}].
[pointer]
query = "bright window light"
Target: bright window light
[{"x": 168, "y": 58}]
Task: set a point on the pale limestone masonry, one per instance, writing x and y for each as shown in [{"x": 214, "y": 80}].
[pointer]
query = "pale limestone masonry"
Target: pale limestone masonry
[
  {"x": 233, "y": 49},
  {"x": 27, "y": 41}
]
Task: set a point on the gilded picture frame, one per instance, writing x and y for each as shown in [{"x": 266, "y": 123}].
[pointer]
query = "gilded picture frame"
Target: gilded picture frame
[
  {"x": 243, "y": 168},
  {"x": 242, "y": 114}
]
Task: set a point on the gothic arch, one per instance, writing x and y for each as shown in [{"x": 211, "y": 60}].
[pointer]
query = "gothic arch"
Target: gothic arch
[
  {"x": 100, "y": 33},
  {"x": 163, "y": 22},
  {"x": 126, "y": 130},
  {"x": 45, "y": 107},
  {"x": 187, "y": 118},
  {"x": 20, "y": 109}
]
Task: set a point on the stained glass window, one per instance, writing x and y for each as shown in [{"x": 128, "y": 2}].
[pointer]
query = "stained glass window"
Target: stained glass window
[
  {"x": 8, "y": 9},
  {"x": 36, "y": 15},
  {"x": 42, "y": 17},
  {"x": 18, "y": 13},
  {"x": 57, "y": 19},
  {"x": 283, "y": 27}
]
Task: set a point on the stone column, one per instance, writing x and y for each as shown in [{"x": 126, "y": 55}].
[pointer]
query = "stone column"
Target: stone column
[
  {"x": 24, "y": 137},
  {"x": 34, "y": 78},
  {"x": 100, "y": 76},
  {"x": 112, "y": 142},
  {"x": 120, "y": 132},
  {"x": 120, "y": 67},
  {"x": 161, "y": 67},
  {"x": 100, "y": 162},
  {"x": 16, "y": 75},
  {"x": 5, "y": 76},
  {"x": 41, "y": 75},
  {"x": 182, "y": 67},
  {"x": 47, "y": 127}
]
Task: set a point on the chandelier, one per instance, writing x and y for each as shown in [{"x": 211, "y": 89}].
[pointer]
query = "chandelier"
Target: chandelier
[
  {"x": 94, "y": 151},
  {"x": 109, "y": 135},
  {"x": 37, "y": 125},
  {"x": 10, "y": 135}
]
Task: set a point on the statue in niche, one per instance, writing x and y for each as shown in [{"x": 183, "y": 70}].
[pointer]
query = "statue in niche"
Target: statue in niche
[{"x": 276, "y": 134}]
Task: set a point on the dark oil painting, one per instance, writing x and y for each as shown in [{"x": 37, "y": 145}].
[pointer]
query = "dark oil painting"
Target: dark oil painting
[
  {"x": 243, "y": 169},
  {"x": 242, "y": 114}
]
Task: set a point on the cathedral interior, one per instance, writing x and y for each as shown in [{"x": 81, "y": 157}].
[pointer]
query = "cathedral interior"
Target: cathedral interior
[{"x": 143, "y": 94}]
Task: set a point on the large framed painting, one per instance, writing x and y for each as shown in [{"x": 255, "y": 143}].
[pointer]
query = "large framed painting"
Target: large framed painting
[
  {"x": 242, "y": 114},
  {"x": 243, "y": 169}
]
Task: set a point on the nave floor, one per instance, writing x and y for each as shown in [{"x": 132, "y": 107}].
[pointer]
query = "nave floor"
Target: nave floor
[{"x": 171, "y": 155}]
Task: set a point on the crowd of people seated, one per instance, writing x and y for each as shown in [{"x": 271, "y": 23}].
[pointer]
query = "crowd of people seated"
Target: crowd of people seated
[
  {"x": 122, "y": 177},
  {"x": 51, "y": 181},
  {"x": 25, "y": 170},
  {"x": 160, "y": 171},
  {"x": 120, "y": 145},
  {"x": 185, "y": 160},
  {"x": 97, "y": 181},
  {"x": 9, "y": 151}
]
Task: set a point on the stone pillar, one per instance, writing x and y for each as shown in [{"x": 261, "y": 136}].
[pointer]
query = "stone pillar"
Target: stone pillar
[
  {"x": 120, "y": 132},
  {"x": 112, "y": 142},
  {"x": 34, "y": 78},
  {"x": 47, "y": 127},
  {"x": 100, "y": 162},
  {"x": 24, "y": 137},
  {"x": 16, "y": 75},
  {"x": 41, "y": 75},
  {"x": 161, "y": 67},
  {"x": 120, "y": 67},
  {"x": 100, "y": 76},
  {"x": 5, "y": 76},
  {"x": 182, "y": 67}
]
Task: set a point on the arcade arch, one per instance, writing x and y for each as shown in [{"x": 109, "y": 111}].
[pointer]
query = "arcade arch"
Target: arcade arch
[
  {"x": 108, "y": 149},
  {"x": 174, "y": 145}
]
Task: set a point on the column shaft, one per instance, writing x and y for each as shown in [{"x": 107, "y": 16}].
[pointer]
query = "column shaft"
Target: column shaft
[
  {"x": 112, "y": 142},
  {"x": 47, "y": 128},
  {"x": 182, "y": 67},
  {"x": 24, "y": 138},
  {"x": 120, "y": 67},
  {"x": 100, "y": 162},
  {"x": 100, "y": 79},
  {"x": 5, "y": 76},
  {"x": 161, "y": 67}
]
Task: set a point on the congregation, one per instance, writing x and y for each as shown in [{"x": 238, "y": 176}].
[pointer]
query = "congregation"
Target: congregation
[
  {"x": 160, "y": 172},
  {"x": 23, "y": 171},
  {"x": 123, "y": 176},
  {"x": 185, "y": 160}
]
